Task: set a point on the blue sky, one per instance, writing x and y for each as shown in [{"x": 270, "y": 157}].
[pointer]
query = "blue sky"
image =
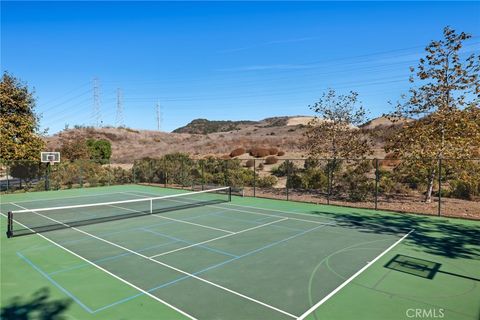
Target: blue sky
[{"x": 217, "y": 60}]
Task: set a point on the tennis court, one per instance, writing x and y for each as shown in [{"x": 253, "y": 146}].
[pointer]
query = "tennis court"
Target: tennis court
[{"x": 200, "y": 255}]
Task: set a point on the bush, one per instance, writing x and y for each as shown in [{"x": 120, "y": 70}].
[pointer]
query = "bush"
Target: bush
[
  {"x": 273, "y": 151},
  {"x": 260, "y": 167},
  {"x": 280, "y": 153},
  {"x": 237, "y": 152},
  {"x": 284, "y": 168},
  {"x": 294, "y": 182},
  {"x": 461, "y": 190},
  {"x": 259, "y": 152},
  {"x": 271, "y": 160},
  {"x": 314, "y": 179},
  {"x": 311, "y": 163},
  {"x": 100, "y": 150},
  {"x": 250, "y": 163},
  {"x": 355, "y": 182},
  {"x": 266, "y": 181}
]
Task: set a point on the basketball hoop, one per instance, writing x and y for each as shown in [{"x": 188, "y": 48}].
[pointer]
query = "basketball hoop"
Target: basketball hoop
[{"x": 50, "y": 157}]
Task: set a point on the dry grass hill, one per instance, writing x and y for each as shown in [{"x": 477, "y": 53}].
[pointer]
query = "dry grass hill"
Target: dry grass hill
[{"x": 203, "y": 137}]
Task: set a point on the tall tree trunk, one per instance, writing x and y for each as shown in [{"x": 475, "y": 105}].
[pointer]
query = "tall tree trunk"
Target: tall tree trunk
[{"x": 431, "y": 179}]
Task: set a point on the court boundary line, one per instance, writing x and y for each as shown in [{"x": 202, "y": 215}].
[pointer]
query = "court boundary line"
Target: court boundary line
[
  {"x": 356, "y": 274},
  {"x": 176, "y": 220},
  {"x": 169, "y": 266},
  {"x": 72, "y": 197},
  {"x": 112, "y": 274}
]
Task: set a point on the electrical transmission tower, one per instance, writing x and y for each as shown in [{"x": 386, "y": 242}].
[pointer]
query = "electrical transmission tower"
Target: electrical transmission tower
[
  {"x": 97, "y": 117},
  {"x": 159, "y": 116},
  {"x": 119, "y": 121}
]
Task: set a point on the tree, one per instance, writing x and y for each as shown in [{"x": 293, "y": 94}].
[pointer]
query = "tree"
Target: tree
[
  {"x": 99, "y": 150},
  {"x": 19, "y": 131},
  {"x": 74, "y": 148},
  {"x": 330, "y": 133},
  {"x": 445, "y": 102}
]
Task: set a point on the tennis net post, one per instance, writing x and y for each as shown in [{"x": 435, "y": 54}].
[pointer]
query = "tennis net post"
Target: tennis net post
[{"x": 9, "y": 224}]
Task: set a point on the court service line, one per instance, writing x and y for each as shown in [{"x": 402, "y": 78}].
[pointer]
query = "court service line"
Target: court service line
[
  {"x": 318, "y": 304},
  {"x": 252, "y": 212},
  {"x": 108, "y": 272},
  {"x": 217, "y": 238},
  {"x": 176, "y": 220},
  {"x": 172, "y": 267}
]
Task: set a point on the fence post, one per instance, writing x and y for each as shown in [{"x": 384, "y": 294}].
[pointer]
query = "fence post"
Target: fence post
[
  {"x": 203, "y": 174},
  {"x": 254, "y": 179},
  {"x": 133, "y": 173},
  {"x": 165, "y": 173},
  {"x": 182, "y": 172},
  {"x": 47, "y": 177},
  {"x": 288, "y": 176},
  {"x": 377, "y": 174},
  {"x": 439, "y": 186},
  {"x": 8, "y": 177},
  {"x": 225, "y": 168},
  {"x": 329, "y": 180},
  {"x": 80, "y": 171}
]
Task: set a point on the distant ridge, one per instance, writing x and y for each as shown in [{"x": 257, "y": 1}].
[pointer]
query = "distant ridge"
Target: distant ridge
[{"x": 204, "y": 126}]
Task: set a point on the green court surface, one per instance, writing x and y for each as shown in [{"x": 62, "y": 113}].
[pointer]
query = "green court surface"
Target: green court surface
[{"x": 245, "y": 259}]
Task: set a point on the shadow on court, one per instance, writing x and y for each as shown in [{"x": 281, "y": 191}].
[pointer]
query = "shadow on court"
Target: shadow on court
[
  {"x": 38, "y": 306},
  {"x": 435, "y": 236}
]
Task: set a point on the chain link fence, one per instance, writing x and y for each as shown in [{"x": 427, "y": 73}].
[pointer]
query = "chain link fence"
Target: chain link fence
[{"x": 446, "y": 187}]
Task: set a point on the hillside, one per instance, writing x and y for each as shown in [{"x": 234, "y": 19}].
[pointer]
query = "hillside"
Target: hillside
[
  {"x": 204, "y": 126},
  {"x": 202, "y": 137}
]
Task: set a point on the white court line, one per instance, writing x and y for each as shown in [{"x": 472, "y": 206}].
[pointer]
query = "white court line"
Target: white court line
[
  {"x": 246, "y": 211},
  {"x": 88, "y": 205},
  {"x": 311, "y": 215},
  {"x": 108, "y": 272},
  {"x": 286, "y": 212},
  {"x": 218, "y": 238},
  {"x": 318, "y": 304},
  {"x": 171, "y": 267},
  {"x": 177, "y": 220},
  {"x": 79, "y": 196}
]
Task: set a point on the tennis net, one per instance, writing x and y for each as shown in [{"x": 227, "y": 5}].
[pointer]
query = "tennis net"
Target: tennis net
[{"x": 28, "y": 221}]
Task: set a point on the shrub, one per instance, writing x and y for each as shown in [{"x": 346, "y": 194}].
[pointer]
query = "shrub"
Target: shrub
[
  {"x": 266, "y": 181},
  {"x": 314, "y": 179},
  {"x": 271, "y": 160},
  {"x": 294, "y": 182},
  {"x": 225, "y": 157},
  {"x": 273, "y": 151},
  {"x": 461, "y": 190},
  {"x": 249, "y": 163},
  {"x": 99, "y": 150},
  {"x": 237, "y": 152},
  {"x": 355, "y": 182},
  {"x": 260, "y": 167},
  {"x": 280, "y": 153},
  {"x": 259, "y": 152},
  {"x": 284, "y": 168},
  {"x": 311, "y": 163}
]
